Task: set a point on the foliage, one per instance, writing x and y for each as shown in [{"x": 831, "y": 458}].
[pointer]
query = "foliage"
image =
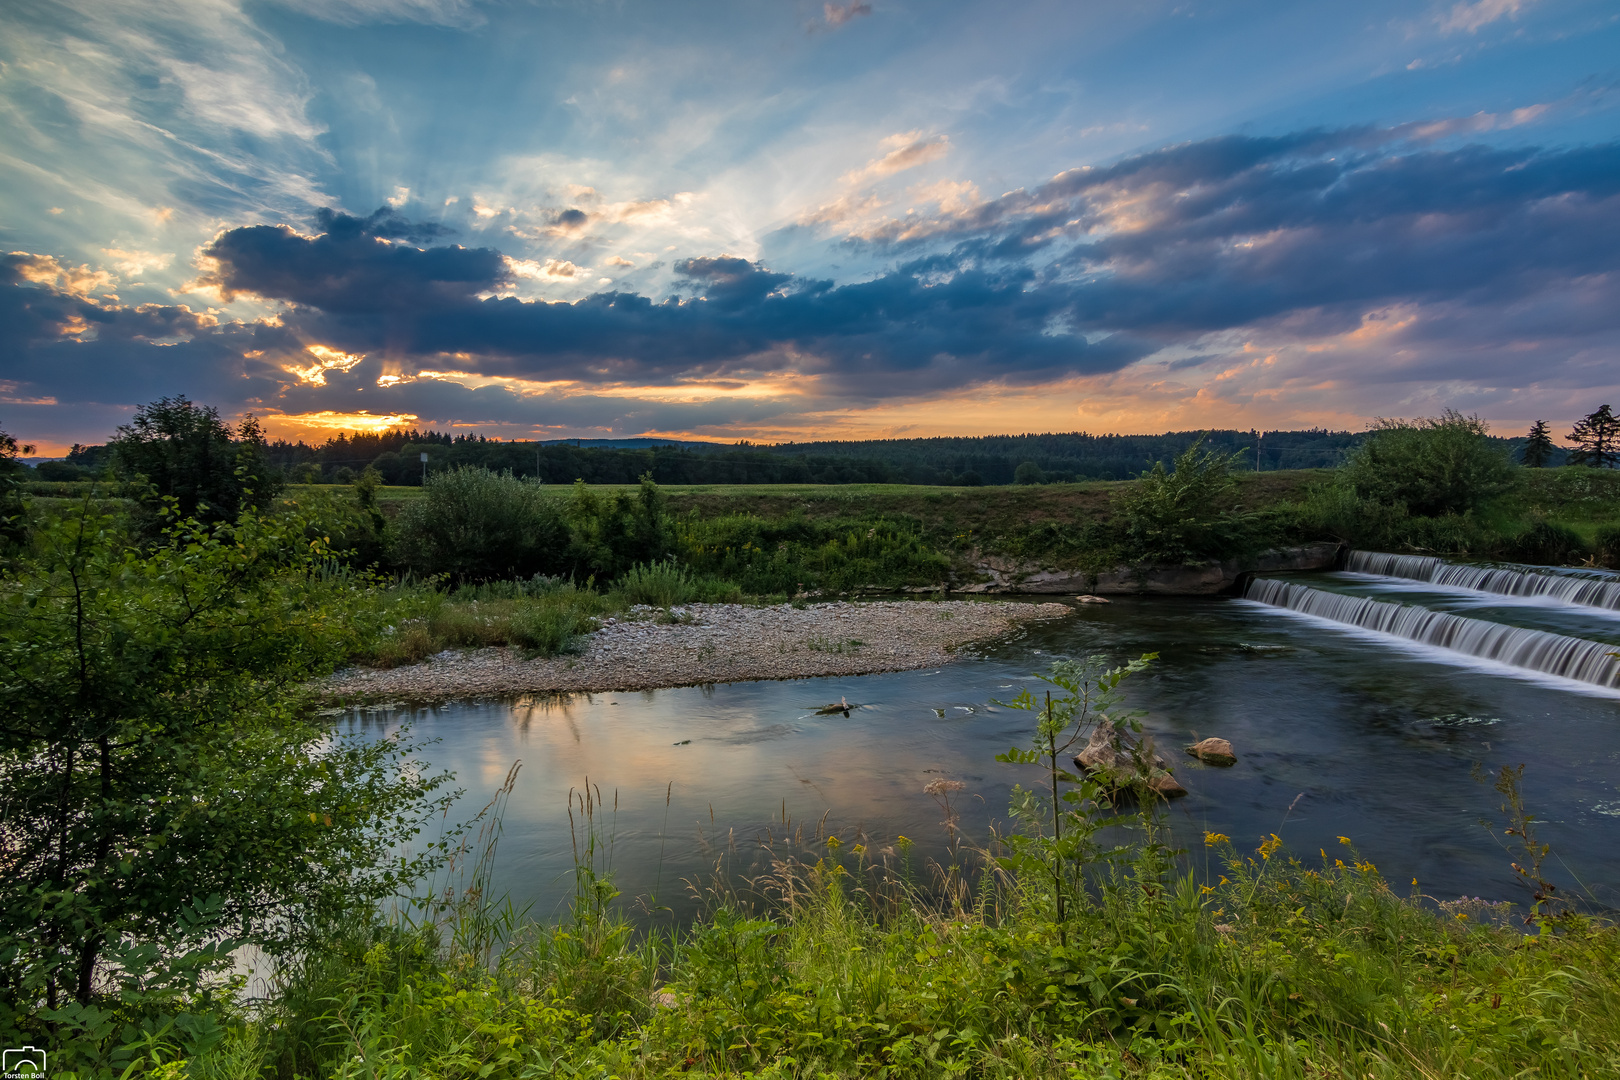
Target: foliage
[
  {"x": 610, "y": 533},
  {"x": 13, "y": 526},
  {"x": 1276, "y": 967},
  {"x": 160, "y": 782},
  {"x": 543, "y": 616},
  {"x": 176, "y": 449},
  {"x": 475, "y": 525},
  {"x": 1059, "y": 828},
  {"x": 1597, "y": 440},
  {"x": 1537, "y": 451},
  {"x": 1432, "y": 467},
  {"x": 1548, "y": 544},
  {"x": 659, "y": 584},
  {"x": 1181, "y": 516},
  {"x": 1607, "y": 543},
  {"x": 794, "y": 554},
  {"x": 1028, "y": 473}
]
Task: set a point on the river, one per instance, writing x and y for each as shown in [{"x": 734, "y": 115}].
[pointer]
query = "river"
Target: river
[{"x": 1340, "y": 730}]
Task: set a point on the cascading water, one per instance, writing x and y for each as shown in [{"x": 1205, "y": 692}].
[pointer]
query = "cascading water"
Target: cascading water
[
  {"x": 1583, "y": 589},
  {"x": 1531, "y": 650}
]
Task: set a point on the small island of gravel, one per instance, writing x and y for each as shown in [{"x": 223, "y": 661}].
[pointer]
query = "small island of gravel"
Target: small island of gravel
[{"x": 710, "y": 643}]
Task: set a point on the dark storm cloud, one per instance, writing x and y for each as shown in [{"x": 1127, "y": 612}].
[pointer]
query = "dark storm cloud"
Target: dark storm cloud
[
  {"x": 1233, "y": 230},
  {"x": 1084, "y": 274},
  {"x": 356, "y": 266}
]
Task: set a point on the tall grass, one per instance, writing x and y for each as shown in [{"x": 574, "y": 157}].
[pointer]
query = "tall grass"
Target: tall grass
[{"x": 840, "y": 962}]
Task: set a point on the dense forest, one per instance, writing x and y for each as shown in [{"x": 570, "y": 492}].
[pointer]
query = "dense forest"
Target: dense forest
[{"x": 950, "y": 460}]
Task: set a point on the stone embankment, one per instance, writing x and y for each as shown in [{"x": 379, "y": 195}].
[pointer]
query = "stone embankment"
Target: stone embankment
[
  {"x": 710, "y": 643},
  {"x": 1207, "y": 579}
]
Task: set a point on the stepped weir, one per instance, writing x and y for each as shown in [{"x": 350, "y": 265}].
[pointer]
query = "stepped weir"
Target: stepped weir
[
  {"x": 1582, "y": 588},
  {"x": 1538, "y": 651}
]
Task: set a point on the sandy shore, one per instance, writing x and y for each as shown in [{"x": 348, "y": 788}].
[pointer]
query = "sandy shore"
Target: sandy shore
[{"x": 712, "y": 643}]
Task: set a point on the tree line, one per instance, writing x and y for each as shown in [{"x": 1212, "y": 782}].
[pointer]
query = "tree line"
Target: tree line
[{"x": 960, "y": 461}]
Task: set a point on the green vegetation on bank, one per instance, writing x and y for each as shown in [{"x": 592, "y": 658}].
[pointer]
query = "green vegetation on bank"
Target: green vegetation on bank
[
  {"x": 1079, "y": 945},
  {"x": 170, "y": 792}
]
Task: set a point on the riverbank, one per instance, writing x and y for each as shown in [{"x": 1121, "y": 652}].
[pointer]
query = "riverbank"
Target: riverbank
[{"x": 710, "y": 643}]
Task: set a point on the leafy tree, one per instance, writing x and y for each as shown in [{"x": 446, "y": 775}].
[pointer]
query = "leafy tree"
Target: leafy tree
[
  {"x": 1597, "y": 440},
  {"x": 1434, "y": 466},
  {"x": 12, "y": 526},
  {"x": 612, "y": 533},
  {"x": 1027, "y": 473},
  {"x": 1538, "y": 446},
  {"x": 1178, "y": 516},
  {"x": 158, "y": 768},
  {"x": 184, "y": 451},
  {"x": 478, "y": 525}
]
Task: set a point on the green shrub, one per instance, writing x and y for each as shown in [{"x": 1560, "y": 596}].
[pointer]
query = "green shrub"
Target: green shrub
[
  {"x": 1180, "y": 516},
  {"x": 776, "y": 556},
  {"x": 549, "y": 627},
  {"x": 1547, "y": 544},
  {"x": 1607, "y": 545},
  {"x": 659, "y": 584},
  {"x": 609, "y": 534},
  {"x": 477, "y": 525},
  {"x": 1434, "y": 466}
]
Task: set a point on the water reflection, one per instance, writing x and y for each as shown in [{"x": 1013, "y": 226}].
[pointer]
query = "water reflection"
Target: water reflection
[{"x": 1363, "y": 737}]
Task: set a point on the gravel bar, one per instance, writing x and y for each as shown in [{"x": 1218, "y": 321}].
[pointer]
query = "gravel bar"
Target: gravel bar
[{"x": 710, "y": 643}]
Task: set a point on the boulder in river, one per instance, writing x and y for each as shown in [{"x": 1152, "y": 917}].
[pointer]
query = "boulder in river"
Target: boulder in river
[
  {"x": 1122, "y": 763},
  {"x": 1213, "y": 751}
]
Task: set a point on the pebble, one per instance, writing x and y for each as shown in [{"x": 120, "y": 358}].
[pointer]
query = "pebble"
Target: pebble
[{"x": 712, "y": 643}]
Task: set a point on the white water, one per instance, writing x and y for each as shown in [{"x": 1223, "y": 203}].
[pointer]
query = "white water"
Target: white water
[
  {"x": 1535, "y": 651},
  {"x": 1584, "y": 589}
]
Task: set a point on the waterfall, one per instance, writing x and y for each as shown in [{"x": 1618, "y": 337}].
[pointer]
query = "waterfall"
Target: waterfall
[
  {"x": 1584, "y": 589},
  {"x": 1532, "y": 650}
]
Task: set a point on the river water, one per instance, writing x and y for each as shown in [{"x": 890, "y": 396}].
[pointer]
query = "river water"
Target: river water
[{"x": 1339, "y": 731}]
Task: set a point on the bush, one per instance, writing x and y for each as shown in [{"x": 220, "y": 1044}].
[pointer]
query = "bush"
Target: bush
[
  {"x": 1441, "y": 465},
  {"x": 609, "y": 534},
  {"x": 477, "y": 525},
  {"x": 1607, "y": 546},
  {"x": 659, "y": 584},
  {"x": 787, "y": 555},
  {"x": 549, "y": 627},
  {"x": 1176, "y": 517},
  {"x": 60, "y": 472},
  {"x": 1547, "y": 544},
  {"x": 1028, "y": 473}
]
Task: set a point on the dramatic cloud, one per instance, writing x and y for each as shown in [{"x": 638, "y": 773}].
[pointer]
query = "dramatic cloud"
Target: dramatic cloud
[
  {"x": 355, "y": 266},
  {"x": 1249, "y": 265}
]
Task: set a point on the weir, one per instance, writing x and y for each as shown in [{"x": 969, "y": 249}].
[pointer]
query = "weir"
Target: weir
[
  {"x": 1532, "y": 650},
  {"x": 1582, "y": 589}
]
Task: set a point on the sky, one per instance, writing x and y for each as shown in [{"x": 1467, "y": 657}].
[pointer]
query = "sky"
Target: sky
[{"x": 780, "y": 220}]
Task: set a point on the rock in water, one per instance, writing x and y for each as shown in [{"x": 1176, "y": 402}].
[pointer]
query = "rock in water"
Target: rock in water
[
  {"x": 1213, "y": 752},
  {"x": 1087, "y": 598},
  {"x": 1121, "y": 763},
  {"x": 1165, "y": 786}
]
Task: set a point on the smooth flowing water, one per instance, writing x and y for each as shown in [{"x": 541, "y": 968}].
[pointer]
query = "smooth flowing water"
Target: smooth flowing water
[{"x": 1340, "y": 730}]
